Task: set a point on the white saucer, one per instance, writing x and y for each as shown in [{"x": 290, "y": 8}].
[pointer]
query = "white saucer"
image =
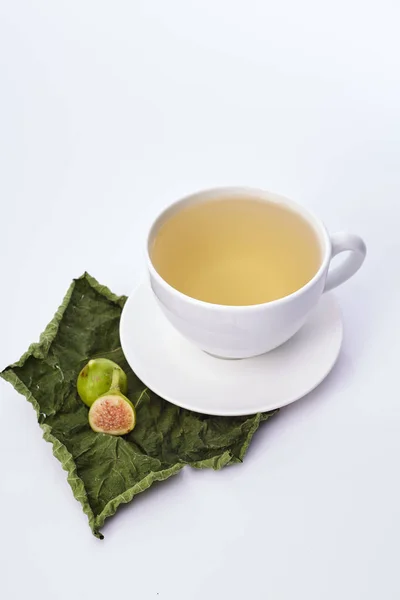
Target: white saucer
[{"x": 179, "y": 372}]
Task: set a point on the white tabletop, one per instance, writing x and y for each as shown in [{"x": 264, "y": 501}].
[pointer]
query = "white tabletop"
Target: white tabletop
[{"x": 110, "y": 110}]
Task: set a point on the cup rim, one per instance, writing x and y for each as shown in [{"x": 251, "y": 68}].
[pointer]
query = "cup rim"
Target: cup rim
[{"x": 256, "y": 193}]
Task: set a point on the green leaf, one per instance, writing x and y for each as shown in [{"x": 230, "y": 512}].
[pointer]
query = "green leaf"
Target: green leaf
[{"x": 105, "y": 471}]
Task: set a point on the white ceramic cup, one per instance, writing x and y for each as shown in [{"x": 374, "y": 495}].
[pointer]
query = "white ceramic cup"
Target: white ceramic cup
[{"x": 245, "y": 331}]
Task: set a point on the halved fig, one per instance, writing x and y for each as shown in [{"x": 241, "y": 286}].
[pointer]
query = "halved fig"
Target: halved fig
[{"x": 112, "y": 413}]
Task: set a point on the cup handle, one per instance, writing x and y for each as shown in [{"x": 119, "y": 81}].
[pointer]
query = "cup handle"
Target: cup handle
[{"x": 345, "y": 242}]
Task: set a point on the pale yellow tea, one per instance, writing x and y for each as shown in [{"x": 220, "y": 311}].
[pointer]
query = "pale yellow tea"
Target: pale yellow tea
[{"x": 236, "y": 251}]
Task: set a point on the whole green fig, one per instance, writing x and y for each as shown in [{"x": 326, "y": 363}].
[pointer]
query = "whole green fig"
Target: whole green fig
[{"x": 96, "y": 377}]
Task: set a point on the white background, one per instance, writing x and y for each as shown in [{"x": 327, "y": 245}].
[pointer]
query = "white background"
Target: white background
[{"x": 110, "y": 110}]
